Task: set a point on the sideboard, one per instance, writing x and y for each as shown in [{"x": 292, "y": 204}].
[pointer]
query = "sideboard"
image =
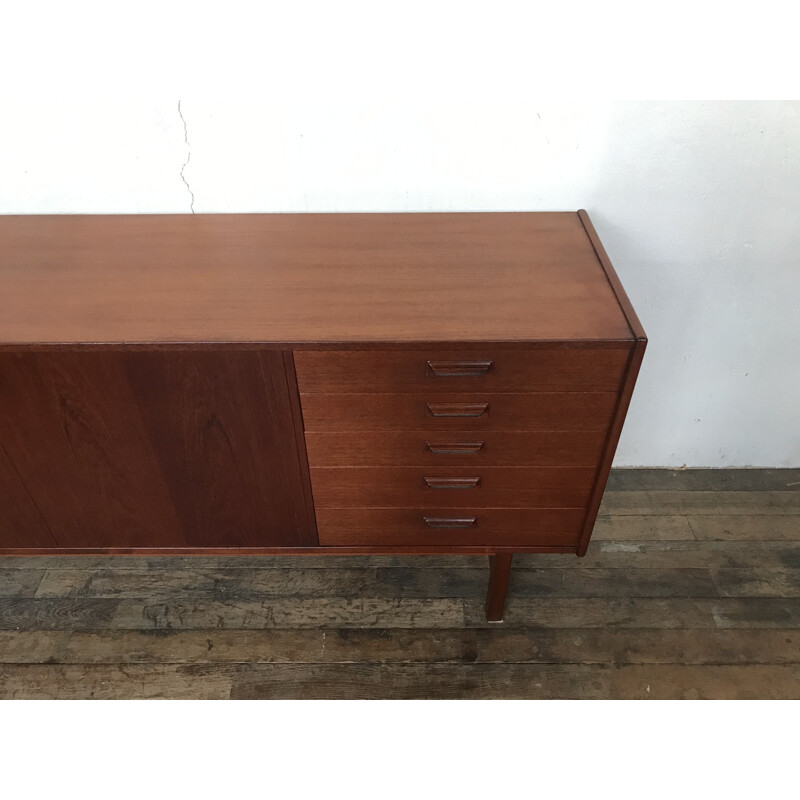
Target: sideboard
[{"x": 444, "y": 383}]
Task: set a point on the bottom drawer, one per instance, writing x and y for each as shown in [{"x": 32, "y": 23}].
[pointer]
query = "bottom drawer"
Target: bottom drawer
[{"x": 520, "y": 527}]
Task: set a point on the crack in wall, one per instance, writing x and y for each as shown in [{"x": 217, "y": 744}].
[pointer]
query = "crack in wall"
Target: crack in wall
[{"x": 188, "y": 157}]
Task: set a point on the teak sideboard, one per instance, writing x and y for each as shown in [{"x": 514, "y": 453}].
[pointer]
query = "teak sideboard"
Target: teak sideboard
[{"x": 309, "y": 383}]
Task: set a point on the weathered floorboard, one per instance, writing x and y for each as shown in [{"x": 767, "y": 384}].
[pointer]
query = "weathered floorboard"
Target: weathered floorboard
[
  {"x": 700, "y": 503},
  {"x": 386, "y": 645}
]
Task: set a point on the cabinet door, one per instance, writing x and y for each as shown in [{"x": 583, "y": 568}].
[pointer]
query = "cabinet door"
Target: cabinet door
[{"x": 139, "y": 449}]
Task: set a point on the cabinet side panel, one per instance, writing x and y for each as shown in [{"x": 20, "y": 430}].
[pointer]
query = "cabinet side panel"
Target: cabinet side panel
[{"x": 604, "y": 468}]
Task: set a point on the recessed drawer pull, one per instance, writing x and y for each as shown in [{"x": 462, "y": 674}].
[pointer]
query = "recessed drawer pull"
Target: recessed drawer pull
[
  {"x": 452, "y": 483},
  {"x": 457, "y": 409},
  {"x": 450, "y": 522},
  {"x": 454, "y": 448},
  {"x": 459, "y": 369}
]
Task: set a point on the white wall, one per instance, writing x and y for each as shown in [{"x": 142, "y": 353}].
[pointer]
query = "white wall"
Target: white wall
[{"x": 698, "y": 204}]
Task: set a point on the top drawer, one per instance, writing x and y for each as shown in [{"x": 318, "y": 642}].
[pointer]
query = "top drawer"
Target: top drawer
[{"x": 502, "y": 370}]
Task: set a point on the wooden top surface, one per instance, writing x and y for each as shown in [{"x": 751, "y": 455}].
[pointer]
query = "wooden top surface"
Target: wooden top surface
[{"x": 303, "y": 278}]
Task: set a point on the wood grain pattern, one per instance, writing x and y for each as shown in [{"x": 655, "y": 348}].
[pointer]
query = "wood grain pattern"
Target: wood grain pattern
[
  {"x": 574, "y": 411},
  {"x": 21, "y": 524},
  {"x": 472, "y": 646},
  {"x": 72, "y": 427},
  {"x": 375, "y": 277},
  {"x": 227, "y": 444},
  {"x": 614, "y": 432},
  {"x": 496, "y": 527},
  {"x": 560, "y": 369},
  {"x": 497, "y": 448},
  {"x": 153, "y": 449},
  {"x": 531, "y": 487},
  {"x": 400, "y": 681}
]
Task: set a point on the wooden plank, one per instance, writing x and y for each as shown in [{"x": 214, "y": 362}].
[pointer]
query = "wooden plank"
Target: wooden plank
[
  {"x": 398, "y": 681},
  {"x": 700, "y": 503},
  {"x": 132, "y": 614},
  {"x": 420, "y": 681},
  {"x": 706, "y": 480},
  {"x": 515, "y": 681},
  {"x": 679, "y": 554},
  {"x": 58, "y": 614},
  {"x": 738, "y": 582},
  {"x": 612, "y": 553},
  {"x": 37, "y": 647},
  {"x": 110, "y": 682},
  {"x": 680, "y": 682},
  {"x": 639, "y": 527},
  {"x": 20, "y": 582},
  {"x": 625, "y": 646},
  {"x": 758, "y": 527},
  {"x": 397, "y": 581},
  {"x": 288, "y": 613},
  {"x": 655, "y": 613},
  {"x": 476, "y": 645}
]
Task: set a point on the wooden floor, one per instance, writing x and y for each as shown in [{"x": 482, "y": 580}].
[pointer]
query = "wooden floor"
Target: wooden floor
[{"x": 690, "y": 589}]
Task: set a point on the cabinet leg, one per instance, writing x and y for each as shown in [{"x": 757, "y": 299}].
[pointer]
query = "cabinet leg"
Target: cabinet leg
[{"x": 499, "y": 570}]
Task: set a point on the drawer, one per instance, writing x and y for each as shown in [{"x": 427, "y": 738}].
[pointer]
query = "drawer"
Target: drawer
[
  {"x": 492, "y": 527},
  {"x": 571, "y": 411},
  {"x": 500, "y": 370},
  {"x": 457, "y": 448},
  {"x": 487, "y": 487}
]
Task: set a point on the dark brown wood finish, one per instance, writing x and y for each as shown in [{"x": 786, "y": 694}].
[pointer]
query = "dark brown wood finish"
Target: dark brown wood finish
[{"x": 155, "y": 449}]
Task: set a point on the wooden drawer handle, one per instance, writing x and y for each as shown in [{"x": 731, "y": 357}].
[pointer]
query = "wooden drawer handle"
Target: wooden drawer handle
[
  {"x": 459, "y": 369},
  {"x": 452, "y": 483},
  {"x": 457, "y": 409},
  {"x": 450, "y": 522},
  {"x": 454, "y": 448}
]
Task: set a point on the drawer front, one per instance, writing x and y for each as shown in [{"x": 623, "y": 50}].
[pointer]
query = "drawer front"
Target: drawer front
[
  {"x": 433, "y": 527},
  {"x": 572, "y": 411},
  {"x": 456, "y": 449},
  {"x": 487, "y": 487},
  {"x": 501, "y": 370}
]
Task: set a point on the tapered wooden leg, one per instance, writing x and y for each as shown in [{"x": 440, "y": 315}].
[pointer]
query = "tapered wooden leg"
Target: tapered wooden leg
[{"x": 499, "y": 570}]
